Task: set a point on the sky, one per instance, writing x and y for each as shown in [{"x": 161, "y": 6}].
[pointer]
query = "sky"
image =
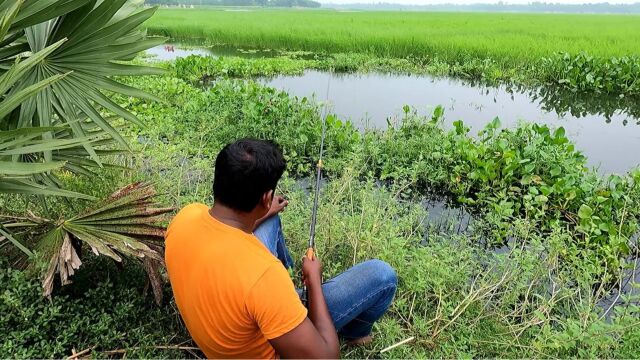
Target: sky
[{"x": 428, "y": 2}]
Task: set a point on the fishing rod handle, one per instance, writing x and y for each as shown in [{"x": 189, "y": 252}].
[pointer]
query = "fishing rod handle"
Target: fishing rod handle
[{"x": 310, "y": 254}]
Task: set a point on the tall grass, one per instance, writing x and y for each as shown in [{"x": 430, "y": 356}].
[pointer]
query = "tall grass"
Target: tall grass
[{"x": 452, "y": 37}]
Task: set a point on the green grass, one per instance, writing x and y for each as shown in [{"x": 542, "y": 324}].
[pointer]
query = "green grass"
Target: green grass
[
  {"x": 508, "y": 38},
  {"x": 455, "y": 297}
]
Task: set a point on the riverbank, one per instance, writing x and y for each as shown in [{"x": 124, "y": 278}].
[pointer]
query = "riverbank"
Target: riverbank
[{"x": 543, "y": 221}]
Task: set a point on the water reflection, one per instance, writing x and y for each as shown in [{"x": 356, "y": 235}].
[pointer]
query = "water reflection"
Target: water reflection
[
  {"x": 170, "y": 52},
  {"x": 570, "y": 103},
  {"x": 578, "y": 105}
]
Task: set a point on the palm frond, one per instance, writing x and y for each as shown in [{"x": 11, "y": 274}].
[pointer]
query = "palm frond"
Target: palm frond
[
  {"x": 17, "y": 176},
  {"x": 125, "y": 224},
  {"x": 95, "y": 39},
  {"x": 57, "y": 60}
]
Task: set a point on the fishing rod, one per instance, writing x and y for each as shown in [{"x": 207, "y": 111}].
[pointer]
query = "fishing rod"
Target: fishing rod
[{"x": 314, "y": 210}]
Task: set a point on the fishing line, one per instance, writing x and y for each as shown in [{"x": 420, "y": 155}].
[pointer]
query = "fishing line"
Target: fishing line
[{"x": 314, "y": 210}]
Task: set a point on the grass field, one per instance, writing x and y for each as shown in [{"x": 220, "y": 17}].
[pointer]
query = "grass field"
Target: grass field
[{"x": 506, "y": 38}]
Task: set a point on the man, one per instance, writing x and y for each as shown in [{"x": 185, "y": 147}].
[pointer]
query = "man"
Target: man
[{"x": 225, "y": 264}]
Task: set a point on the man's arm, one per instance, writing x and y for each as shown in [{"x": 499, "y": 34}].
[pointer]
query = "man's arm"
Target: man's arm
[{"x": 316, "y": 336}]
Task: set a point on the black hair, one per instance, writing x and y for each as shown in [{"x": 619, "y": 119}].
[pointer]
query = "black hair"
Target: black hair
[{"x": 244, "y": 171}]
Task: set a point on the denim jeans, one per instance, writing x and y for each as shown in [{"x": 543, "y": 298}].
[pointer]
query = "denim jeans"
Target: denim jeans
[{"x": 356, "y": 298}]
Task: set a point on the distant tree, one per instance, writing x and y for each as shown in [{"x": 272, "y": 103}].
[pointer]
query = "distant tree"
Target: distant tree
[
  {"x": 270, "y": 3},
  {"x": 501, "y": 7}
]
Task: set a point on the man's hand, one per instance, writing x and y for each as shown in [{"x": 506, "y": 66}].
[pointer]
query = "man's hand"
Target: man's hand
[
  {"x": 277, "y": 205},
  {"x": 311, "y": 271}
]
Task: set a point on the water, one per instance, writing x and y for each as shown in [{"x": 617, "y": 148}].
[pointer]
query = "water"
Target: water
[
  {"x": 606, "y": 129},
  {"x": 608, "y": 137},
  {"x": 170, "y": 52}
]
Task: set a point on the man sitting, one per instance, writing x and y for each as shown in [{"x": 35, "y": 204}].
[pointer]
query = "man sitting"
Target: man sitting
[{"x": 225, "y": 265}]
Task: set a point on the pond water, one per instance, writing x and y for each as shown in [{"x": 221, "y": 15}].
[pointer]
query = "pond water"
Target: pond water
[
  {"x": 170, "y": 52},
  {"x": 610, "y": 138},
  {"x": 606, "y": 129}
]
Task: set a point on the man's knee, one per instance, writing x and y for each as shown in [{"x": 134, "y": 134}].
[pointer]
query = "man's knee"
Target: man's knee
[
  {"x": 382, "y": 272},
  {"x": 272, "y": 222}
]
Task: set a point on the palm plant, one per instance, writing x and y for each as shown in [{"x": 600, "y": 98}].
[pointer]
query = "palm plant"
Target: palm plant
[
  {"x": 58, "y": 60},
  {"x": 17, "y": 177},
  {"x": 76, "y": 47},
  {"x": 123, "y": 224}
]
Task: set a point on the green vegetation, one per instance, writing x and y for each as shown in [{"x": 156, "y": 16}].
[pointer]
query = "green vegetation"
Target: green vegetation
[
  {"x": 586, "y": 73},
  {"x": 267, "y": 3},
  {"x": 456, "y": 37},
  {"x": 56, "y": 118},
  {"x": 105, "y": 308},
  {"x": 592, "y": 53},
  {"x": 567, "y": 229},
  {"x": 195, "y": 68},
  {"x": 539, "y": 272}
]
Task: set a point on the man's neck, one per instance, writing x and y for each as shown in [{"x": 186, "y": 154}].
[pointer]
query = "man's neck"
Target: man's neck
[{"x": 239, "y": 220}]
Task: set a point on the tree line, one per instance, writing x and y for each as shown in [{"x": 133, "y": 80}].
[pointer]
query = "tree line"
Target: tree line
[
  {"x": 266, "y": 3},
  {"x": 500, "y": 7}
]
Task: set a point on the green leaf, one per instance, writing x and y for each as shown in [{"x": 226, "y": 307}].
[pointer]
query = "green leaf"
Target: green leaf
[
  {"x": 585, "y": 212},
  {"x": 38, "y": 11},
  {"x": 31, "y": 188},
  {"x": 559, "y": 133},
  {"x": 24, "y": 169},
  {"x": 89, "y": 39},
  {"x": 16, "y": 243},
  {"x": 542, "y": 199},
  {"x": 8, "y": 16},
  {"x": 14, "y": 100},
  {"x": 17, "y": 71},
  {"x": 45, "y": 145}
]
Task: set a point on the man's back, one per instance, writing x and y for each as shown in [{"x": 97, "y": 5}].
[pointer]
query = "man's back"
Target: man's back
[{"x": 232, "y": 293}]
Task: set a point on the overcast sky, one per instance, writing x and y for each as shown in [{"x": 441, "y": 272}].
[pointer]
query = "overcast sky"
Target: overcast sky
[{"x": 428, "y": 2}]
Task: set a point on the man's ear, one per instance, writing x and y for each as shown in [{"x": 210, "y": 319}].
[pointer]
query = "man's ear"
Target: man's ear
[{"x": 267, "y": 199}]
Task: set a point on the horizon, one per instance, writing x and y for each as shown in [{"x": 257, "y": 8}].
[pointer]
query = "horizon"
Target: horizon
[{"x": 471, "y": 2}]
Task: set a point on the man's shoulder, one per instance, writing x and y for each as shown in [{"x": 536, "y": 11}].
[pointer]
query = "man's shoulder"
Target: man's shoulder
[
  {"x": 190, "y": 212},
  {"x": 193, "y": 209},
  {"x": 269, "y": 276},
  {"x": 185, "y": 219}
]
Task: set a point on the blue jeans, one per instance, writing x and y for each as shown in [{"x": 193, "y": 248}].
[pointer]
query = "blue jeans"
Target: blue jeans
[{"x": 356, "y": 298}]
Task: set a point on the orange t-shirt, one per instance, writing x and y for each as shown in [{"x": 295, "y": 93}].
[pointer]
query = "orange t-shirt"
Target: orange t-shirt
[{"x": 232, "y": 293}]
